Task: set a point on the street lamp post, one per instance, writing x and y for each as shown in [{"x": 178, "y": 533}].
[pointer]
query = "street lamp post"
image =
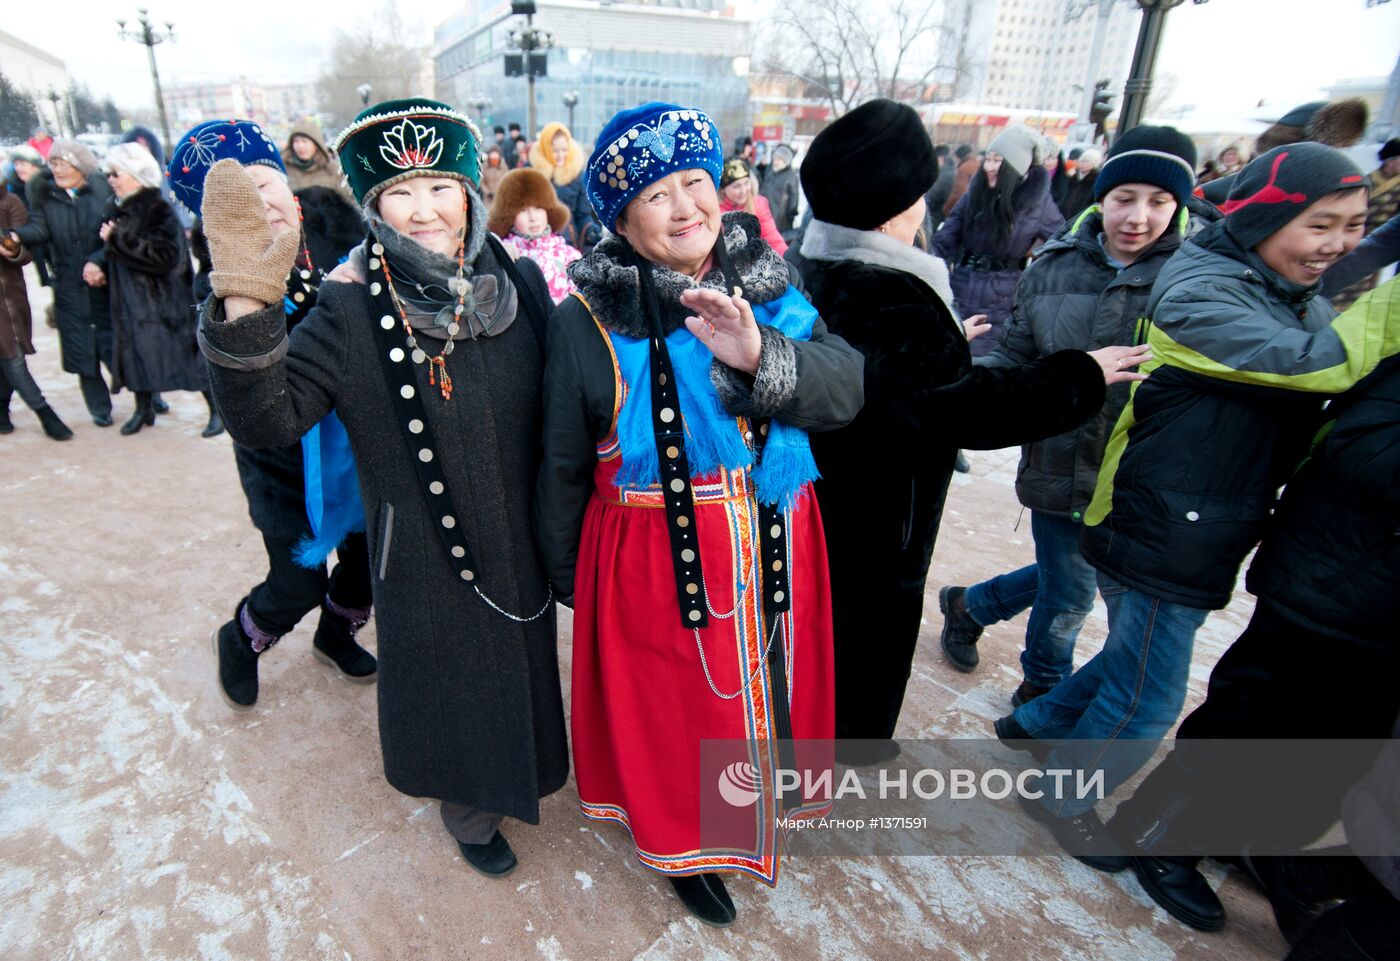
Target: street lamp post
[
  {"x": 148, "y": 37},
  {"x": 54, "y": 97},
  {"x": 571, "y": 101},
  {"x": 364, "y": 90},
  {"x": 532, "y": 64},
  {"x": 1135, "y": 91}
]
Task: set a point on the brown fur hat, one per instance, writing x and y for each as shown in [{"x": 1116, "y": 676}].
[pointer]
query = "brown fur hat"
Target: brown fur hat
[
  {"x": 520, "y": 189},
  {"x": 1340, "y": 124}
]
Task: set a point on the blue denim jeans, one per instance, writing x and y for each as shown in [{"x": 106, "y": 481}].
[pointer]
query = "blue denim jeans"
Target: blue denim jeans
[
  {"x": 1125, "y": 699},
  {"x": 1059, "y": 589}
]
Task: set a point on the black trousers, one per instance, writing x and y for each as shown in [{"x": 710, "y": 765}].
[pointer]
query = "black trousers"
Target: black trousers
[
  {"x": 290, "y": 591},
  {"x": 96, "y": 395},
  {"x": 16, "y": 379},
  {"x": 1296, "y": 691}
]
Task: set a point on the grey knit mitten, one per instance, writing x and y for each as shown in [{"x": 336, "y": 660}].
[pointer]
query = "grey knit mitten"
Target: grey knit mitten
[{"x": 248, "y": 260}]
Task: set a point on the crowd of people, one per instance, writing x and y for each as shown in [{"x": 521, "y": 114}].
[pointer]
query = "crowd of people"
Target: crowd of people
[{"x": 490, "y": 376}]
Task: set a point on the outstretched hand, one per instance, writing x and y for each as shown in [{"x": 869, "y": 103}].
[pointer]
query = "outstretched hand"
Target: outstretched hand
[
  {"x": 975, "y": 326},
  {"x": 726, "y": 325},
  {"x": 1117, "y": 362}
]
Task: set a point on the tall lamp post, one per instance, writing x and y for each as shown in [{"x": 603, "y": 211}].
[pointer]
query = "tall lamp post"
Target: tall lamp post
[
  {"x": 148, "y": 37},
  {"x": 1135, "y": 91},
  {"x": 533, "y": 59},
  {"x": 571, "y": 101},
  {"x": 54, "y": 97},
  {"x": 364, "y": 90}
]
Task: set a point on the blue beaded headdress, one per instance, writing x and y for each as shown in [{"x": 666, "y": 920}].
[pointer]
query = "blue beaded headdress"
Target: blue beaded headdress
[
  {"x": 210, "y": 142},
  {"x": 644, "y": 144}
]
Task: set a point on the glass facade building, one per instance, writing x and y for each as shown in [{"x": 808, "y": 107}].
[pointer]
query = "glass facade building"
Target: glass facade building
[{"x": 612, "y": 55}]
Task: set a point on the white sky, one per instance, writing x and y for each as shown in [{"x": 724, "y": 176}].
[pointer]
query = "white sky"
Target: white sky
[{"x": 1225, "y": 55}]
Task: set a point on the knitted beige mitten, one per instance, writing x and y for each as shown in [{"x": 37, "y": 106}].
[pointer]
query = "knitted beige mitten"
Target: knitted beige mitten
[{"x": 248, "y": 260}]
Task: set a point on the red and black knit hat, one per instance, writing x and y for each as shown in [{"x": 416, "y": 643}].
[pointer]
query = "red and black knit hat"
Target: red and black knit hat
[{"x": 1278, "y": 186}]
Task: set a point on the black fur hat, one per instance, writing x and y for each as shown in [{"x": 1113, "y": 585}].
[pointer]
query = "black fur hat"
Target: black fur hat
[{"x": 869, "y": 165}]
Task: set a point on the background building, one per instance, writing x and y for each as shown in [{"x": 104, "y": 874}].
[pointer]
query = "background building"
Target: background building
[
  {"x": 39, "y": 74},
  {"x": 613, "y": 55},
  {"x": 191, "y": 103},
  {"x": 1041, "y": 52}
]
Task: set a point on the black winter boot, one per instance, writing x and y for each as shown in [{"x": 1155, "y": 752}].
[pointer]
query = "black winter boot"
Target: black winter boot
[
  {"x": 960, "y": 631},
  {"x": 705, "y": 897},
  {"x": 216, "y": 423},
  {"x": 334, "y": 644},
  {"x": 143, "y": 416},
  {"x": 494, "y": 859},
  {"x": 53, "y": 426},
  {"x": 237, "y": 664},
  {"x": 7, "y": 426},
  {"x": 158, "y": 404}
]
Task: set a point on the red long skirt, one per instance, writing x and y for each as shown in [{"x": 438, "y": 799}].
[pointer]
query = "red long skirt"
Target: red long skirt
[{"x": 642, "y": 702}]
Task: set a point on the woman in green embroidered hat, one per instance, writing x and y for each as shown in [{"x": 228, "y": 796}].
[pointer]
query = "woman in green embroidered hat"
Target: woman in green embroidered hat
[
  {"x": 432, "y": 353},
  {"x": 675, "y": 509}
]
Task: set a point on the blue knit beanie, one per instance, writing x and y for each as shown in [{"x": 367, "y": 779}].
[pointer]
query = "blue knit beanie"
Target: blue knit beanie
[
  {"x": 1161, "y": 156},
  {"x": 644, "y": 144}
]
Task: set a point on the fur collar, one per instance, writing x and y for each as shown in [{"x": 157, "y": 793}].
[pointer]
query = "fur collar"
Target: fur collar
[
  {"x": 824, "y": 241},
  {"x": 610, "y": 288},
  {"x": 1029, "y": 191}
]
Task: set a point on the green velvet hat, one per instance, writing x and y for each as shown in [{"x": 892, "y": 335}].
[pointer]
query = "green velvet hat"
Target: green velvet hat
[{"x": 398, "y": 139}]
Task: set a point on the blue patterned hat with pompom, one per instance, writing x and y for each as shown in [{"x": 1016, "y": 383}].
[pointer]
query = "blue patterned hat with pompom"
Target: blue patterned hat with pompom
[
  {"x": 644, "y": 144},
  {"x": 210, "y": 142}
]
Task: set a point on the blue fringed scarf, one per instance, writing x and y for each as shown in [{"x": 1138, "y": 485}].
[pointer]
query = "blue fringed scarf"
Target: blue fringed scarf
[
  {"x": 333, "y": 504},
  {"x": 712, "y": 436}
]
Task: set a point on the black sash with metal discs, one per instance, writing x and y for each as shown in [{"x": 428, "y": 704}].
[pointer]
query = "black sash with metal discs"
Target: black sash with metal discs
[
  {"x": 771, "y": 563},
  {"x": 400, "y": 358}
]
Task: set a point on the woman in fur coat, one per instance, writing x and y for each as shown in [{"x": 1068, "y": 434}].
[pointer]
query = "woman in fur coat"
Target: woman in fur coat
[
  {"x": 988, "y": 238},
  {"x": 885, "y": 476},
  {"x": 148, "y": 270}
]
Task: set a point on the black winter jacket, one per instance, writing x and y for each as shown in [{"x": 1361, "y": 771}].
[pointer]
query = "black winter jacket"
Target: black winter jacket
[
  {"x": 1072, "y": 298},
  {"x": 67, "y": 227},
  {"x": 1330, "y": 561},
  {"x": 1242, "y": 361}
]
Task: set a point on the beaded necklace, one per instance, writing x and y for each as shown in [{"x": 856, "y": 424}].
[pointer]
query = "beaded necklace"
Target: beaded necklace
[{"x": 437, "y": 366}]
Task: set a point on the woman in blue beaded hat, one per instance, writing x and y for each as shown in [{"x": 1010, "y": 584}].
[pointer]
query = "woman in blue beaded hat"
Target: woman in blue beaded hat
[
  {"x": 432, "y": 354},
  {"x": 675, "y": 508},
  {"x": 298, "y": 531}
]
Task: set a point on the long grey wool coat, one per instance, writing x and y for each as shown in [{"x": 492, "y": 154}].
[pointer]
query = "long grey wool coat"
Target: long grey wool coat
[{"x": 470, "y": 709}]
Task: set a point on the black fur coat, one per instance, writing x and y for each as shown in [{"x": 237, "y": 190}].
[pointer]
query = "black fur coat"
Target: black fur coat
[
  {"x": 149, "y": 276},
  {"x": 885, "y": 475}
]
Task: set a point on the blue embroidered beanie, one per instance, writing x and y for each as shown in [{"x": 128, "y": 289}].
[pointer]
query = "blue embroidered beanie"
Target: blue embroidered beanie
[
  {"x": 208, "y": 143},
  {"x": 638, "y": 147}
]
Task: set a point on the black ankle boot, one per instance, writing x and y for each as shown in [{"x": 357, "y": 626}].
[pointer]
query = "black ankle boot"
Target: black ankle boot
[
  {"x": 494, "y": 859},
  {"x": 143, "y": 416},
  {"x": 960, "y": 631},
  {"x": 334, "y": 645},
  {"x": 7, "y": 426},
  {"x": 158, "y": 404},
  {"x": 705, "y": 897},
  {"x": 53, "y": 426},
  {"x": 237, "y": 665},
  {"x": 216, "y": 423}
]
